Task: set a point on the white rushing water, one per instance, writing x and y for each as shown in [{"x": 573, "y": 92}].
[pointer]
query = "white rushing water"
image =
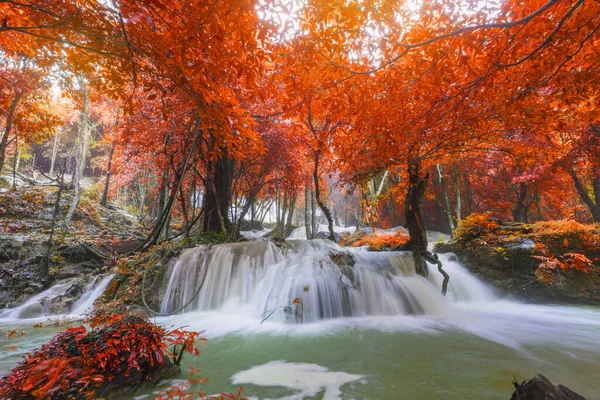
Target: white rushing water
[
  {"x": 39, "y": 305},
  {"x": 369, "y": 324},
  {"x": 260, "y": 280},
  {"x": 300, "y": 233},
  {"x": 91, "y": 294}
]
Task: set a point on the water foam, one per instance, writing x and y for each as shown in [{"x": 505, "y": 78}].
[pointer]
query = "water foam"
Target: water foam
[{"x": 307, "y": 380}]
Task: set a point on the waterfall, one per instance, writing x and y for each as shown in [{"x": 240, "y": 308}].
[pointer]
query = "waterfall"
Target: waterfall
[
  {"x": 91, "y": 294},
  {"x": 258, "y": 279},
  {"x": 40, "y": 305},
  {"x": 36, "y": 306}
]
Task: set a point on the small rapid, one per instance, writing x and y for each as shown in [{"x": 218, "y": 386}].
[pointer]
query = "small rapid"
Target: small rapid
[{"x": 46, "y": 303}]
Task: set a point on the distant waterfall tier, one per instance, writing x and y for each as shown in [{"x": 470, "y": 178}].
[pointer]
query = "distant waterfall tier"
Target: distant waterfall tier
[
  {"x": 58, "y": 300},
  {"x": 307, "y": 281}
]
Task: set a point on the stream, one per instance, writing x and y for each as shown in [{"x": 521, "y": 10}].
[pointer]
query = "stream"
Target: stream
[{"x": 371, "y": 330}]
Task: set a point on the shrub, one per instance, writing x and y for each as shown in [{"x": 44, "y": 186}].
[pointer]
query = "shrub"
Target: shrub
[
  {"x": 393, "y": 241},
  {"x": 476, "y": 225},
  {"x": 83, "y": 363}
]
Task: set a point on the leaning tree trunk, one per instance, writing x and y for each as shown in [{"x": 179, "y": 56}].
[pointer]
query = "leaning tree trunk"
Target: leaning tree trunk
[
  {"x": 412, "y": 213},
  {"x": 321, "y": 203},
  {"x": 82, "y": 134},
  {"x": 592, "y": 204},
  {"x": 217, "y": 197},
  {"x": 414, "y": 223}
]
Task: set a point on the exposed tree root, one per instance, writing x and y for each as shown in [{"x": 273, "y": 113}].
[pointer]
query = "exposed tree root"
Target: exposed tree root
[{"x": 433, "y": 259}]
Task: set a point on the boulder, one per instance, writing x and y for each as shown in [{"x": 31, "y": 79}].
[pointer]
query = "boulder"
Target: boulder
[
  {"x": 325, "y": 235},
  {"x": 540, "y": 388}
]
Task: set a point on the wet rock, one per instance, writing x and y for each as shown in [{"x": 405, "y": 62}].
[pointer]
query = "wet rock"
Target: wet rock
[
  {"x": 442, "y": 247},
  {"x": 61, "y": 305},
  {"x": 75, "y": 290},
  {"x": 540, "y": 388},
  {"x": 32, "y": 311},
  {"x": 325, "y": 235},
  {"x": 345, "y": 261}
]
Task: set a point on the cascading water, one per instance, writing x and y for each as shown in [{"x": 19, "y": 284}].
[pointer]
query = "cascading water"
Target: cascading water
[
  {"x": 91, "y": 294},
  {"x": 37, "y": 305},
  {"x": 376, "y": 328},
  {"x": 254, "y": 278},
  {"x": 40, "y": 305}
]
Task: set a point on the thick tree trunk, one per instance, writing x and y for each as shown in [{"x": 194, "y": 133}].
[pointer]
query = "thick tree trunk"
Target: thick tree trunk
[
  {"x": 217, "y": 197},
  {"x": 321, "y": 203},
  {"x": 521, "y": 209},
  {"x": 412, "y": 213},
  {"x": 592, "y": 204},
  {"x": 107, "y": 181},
  {"x": 10, "y": 116},
  {"x": 290, "y": 215},
  {"x": 307, "y": 213},
  {"x": 446, "y": 201},
  {"x": 82, "y": 136}
]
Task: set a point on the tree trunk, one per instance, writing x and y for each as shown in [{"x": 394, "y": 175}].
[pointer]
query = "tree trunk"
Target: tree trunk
[
  {"x": 412, "y": 213},
  {"x": 592, "y": 204},
  {"x": 458, "y": 196},
  {"x": 282, "y": 219},
  {"x": 520, "y": 211},
  {"x": 82, "y": 133},
  {"x": 107, "y": 181},
  {"x": 307, "y": 214},
  {"x": 320, "y": 202},
  {"x": 45, "y": 267},
  {"x": 446, "y": 201},
  {"x": 10, "y": 116},
  {"x": 16, "y": 158},
  {"x": 217, "y": 197},
  {"x": 335, "y": 216},
  {"x": 54, "y": 153},
  {"x": 184, "y": 212},
  {"x": 313, "y": 215},
  {"x": 290, "y": 215},
  {"x": 142, "y": 191}
]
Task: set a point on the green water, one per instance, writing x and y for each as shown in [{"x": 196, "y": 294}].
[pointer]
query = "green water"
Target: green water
[{"x": 422, "y": 362}]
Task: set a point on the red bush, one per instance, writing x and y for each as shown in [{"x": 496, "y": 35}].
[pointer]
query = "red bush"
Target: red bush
[{"x": 79, "y": 363}]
